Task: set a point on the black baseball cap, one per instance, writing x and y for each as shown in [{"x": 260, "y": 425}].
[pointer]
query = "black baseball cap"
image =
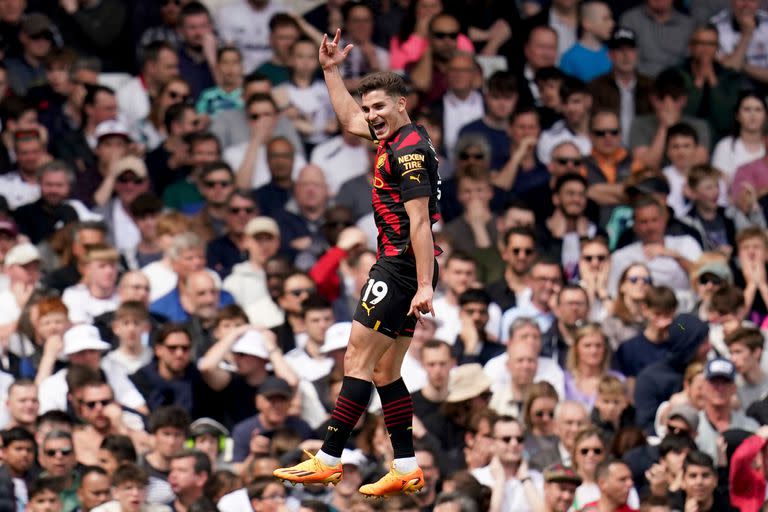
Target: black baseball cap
[
  {"x": 275, "y": 386},
  {"x": 622, "y": 38}
]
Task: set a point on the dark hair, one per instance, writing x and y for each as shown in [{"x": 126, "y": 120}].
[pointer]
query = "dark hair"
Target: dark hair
[
  {"x": 152, "y": 50},
  {"x": 230, "y": 312},
  {"x": 200, "y": 137},
  {"x": 130, "y": 472},
  {"x": 79, "y": 377},
  {"x": 347, "y": 7},
  {"x": 92, "y": 92},
  {"x": 171, "y": 416},
  {"x": 317, "y": 505},
  {"x": 260, "y": 97},
  {"x": 258, "y": 485},
  {"x": 192, "y": 9},
  {"x": 144, "y": 205},
  {"x": 202, "y": 461},
  {"x": 282, "y": 19},
  {"x": 525, "y": 231},
  {"x": 54, "y": 416},
  {"x": 603, "y": 112},
  {"x": 255, "y": 76},
  {"x": 502, "y": 82},
  {"x": 699, "y": 458},
  {"x": 13, "y": 107},
  {"x": 571, "y": 86},
  {"x": 727, "y": 299},
  {"x": 87, "y": 470},
  {"x": 121, "y": 448},
  {"x": 166, "y": 330},
  {"x": 682, "y": 130},
  {"x": 65, "y": 57},
  {"x": 17, "y": 434},
  {"x": 750, "y": 337},
  {"x": 572, "y": 287},
  {"x": 219, "y": 165},
  {"x": 661, "y": 299},
  {"x": 460, "y": 256},
  {"x": 548, "y": 73},
  {"x": 676, "y": 443},
  {"x": 228, "y": 49},
  {"x": 474, "y": 296},
  {"x": 745, "y": 95},
  {"x": 605, "y": 466},
  {"x": 175, "y": 113},
  {"x": 44, "y": 484},
  {"x": 568, "y": 177},
  {"x": 314, "y": 302},
  {"x": 669, "y": 82},
  {"x": 387, "y": 81}
]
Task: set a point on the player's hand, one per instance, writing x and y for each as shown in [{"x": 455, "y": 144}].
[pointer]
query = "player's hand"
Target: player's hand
[
  {"x": 422, "y": 302},
  {"x": 330, "y": 53}
]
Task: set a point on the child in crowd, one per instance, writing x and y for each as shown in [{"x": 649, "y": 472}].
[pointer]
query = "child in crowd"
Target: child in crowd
[
  {"x": 304, "y": 99},
  {"x": 716, "y": 228},
  {"x": 129, "y": 488},
  {"x": 588, "y": 58},
  {"x": 658, "y": 308},
  {"x": 228, "y": 94},
  {"x": 682, "y": 141},
  {"x": 131, "y": 322},
  {"x": 612, "y": 410},
  {"x": 746, "y": 347}
]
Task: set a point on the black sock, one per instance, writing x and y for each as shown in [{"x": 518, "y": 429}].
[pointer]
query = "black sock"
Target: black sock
[
  {"x": 398, "y": 416},
  {"x": 351, "y": 404}
]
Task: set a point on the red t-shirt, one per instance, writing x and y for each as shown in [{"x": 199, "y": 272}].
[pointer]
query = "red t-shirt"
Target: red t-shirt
[{"x": 592, "y": 507}]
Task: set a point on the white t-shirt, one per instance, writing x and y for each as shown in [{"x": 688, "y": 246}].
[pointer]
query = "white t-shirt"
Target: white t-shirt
[
  {"x": 676, "y": 198},
  {"x": 130, "y": 363},
  {"x": 306, "y": 367},
  {"x": 132, "y": 102},
  {"x": 53, "y": 390},
  {"x": 124, "y": 229},
  {"x": 6, "y": 379},
  {"x": 9, "y": 309},
  {"x": 313, "y": 103},
  {"x": 242, "y": 25},
  {"x": 84, "y": 307},
  {"x": 162, "y": 279},
  {"x": 17, "y": 191},
  {"x": 514, "y": 494},
  {"x": 729, "y": 37},
  {"x": 234, "y": 156},
  {"x": 729, "y": 156},
  {"x": 339, "y": 161},
  {"x": 664, "y": 270}
]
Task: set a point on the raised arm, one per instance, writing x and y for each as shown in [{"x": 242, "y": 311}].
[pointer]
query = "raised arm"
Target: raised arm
[{"x": 347, "y": 110}]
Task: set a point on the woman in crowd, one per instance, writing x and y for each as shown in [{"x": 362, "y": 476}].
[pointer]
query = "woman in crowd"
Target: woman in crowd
[
  {"x": 151, "y": 131},
  {"x": 626, "y": 320},
  {"x": 587, "y": 362},
  {"x": 539, "y": 414},
  {"x": 746, "y": 142},
  {"x": 710, "y": 274}
]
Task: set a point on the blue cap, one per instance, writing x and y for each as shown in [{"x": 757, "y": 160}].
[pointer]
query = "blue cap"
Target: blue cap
[{"x": 720, "y": 368}]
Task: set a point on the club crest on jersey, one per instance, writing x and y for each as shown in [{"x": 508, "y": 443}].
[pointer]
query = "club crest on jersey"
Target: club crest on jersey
[{"x": 381, "y": 160}]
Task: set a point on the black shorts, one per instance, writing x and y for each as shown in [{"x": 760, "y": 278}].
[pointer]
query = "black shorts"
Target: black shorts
[{"x": 386, "y": 297}]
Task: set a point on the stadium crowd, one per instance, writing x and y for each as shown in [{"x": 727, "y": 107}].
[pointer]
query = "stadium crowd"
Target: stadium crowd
[{"x": 185, "y": 233}]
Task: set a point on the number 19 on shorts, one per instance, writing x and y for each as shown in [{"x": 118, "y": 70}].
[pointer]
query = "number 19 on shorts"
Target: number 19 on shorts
[{"x": 379, "y": 290}]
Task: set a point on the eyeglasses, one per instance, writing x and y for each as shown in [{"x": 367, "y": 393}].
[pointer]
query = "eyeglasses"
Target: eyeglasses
[
  {"x": 507, "y": 439},
  {"x": 565, "y": 161},
  {"x": 40, "y": 36},
  {"x": 64, "y": 452},
  {"x": 176, "y": 95},
  {"x": 214, "y": 183},
  {"x": 604, "y": 133},
  {"x": 246, "y": 209},
  {"x": 474, "y": 156},
  {"x": 177, "y": 348},
  {"x": 527, "y": 251},
  {"x": 256, "y": 115},
  {"x": 127, "y": 178},
  {"x": 548, "y": 413},
  {"x": 298, "y": 292},
  {"x": 91, "y": 404},
  {"x": 437, "y": 34},
  {"x": 638, "y": 279},
  {"x": 712, "y": 279},
  {"x": 587, "y": 451},
  {"x": 595, "y": 257}
]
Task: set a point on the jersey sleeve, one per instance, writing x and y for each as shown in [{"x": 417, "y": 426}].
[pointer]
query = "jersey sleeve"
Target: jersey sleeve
[{"x": 412, "y": 167}]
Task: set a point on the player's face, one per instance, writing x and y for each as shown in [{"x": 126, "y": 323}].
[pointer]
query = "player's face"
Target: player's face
[{"x": 384, "y": 112}]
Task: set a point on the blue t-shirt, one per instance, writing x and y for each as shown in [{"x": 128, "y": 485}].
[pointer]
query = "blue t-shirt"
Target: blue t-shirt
[
  {"x": 585, "y": 64},
  {"x": 497, "y": 139},
  {"x": 636, "y": 353}
]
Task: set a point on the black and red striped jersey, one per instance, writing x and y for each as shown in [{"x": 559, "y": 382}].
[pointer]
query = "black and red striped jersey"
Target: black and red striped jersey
[{"x": 405, "y": 169}]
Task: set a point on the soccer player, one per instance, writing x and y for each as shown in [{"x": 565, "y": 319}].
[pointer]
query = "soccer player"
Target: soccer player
[{"x": 401, "y": 282}]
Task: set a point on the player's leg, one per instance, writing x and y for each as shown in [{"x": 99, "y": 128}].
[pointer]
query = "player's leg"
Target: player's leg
[
  {"x": 405, "y": 475},
  {"x": 365, "y": 348}
]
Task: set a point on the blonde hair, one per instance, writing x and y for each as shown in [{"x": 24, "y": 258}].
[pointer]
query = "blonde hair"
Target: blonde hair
[
  {"x": 572, "y": 361},
  {"x": 611, "y": 385},
  {"x": 586, "y": 433},
  {"x": 537, "y": 390}
]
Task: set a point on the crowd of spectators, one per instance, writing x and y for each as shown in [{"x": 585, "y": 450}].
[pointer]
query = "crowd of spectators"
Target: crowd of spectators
[{"x": 185, "y": 234}]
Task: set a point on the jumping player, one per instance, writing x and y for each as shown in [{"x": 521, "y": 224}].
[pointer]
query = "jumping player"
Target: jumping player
[{"x": 401, "y": 282}]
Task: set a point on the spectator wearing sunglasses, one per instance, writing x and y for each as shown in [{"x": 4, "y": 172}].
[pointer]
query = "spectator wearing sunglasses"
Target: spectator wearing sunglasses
[
  {"x": 594, "y": 267},
  {"x": 625, "y": 318},
  {"x": 57, "y": 459},
  {"x": 224, "y": 252},
  {"x": 711, "y": 274},
  {"x": 215, "y": 183},
  {"x": 518, "y": 250},
  {"x": 652, "y": 344}
]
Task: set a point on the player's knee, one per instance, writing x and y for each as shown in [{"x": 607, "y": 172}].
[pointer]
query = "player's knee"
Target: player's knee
[
  {"x": 356, "y": 364},
  {"x": 384, "y": 374}
]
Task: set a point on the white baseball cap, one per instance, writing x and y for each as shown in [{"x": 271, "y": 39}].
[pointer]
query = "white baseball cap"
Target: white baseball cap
[
  {"x": 21, "y": 254},
  {"x": 111, "y": 127},
  {"x": 252, "y": 344},
  {"x": 336, "y": 337},
  {"x": 83, "y": 337}
]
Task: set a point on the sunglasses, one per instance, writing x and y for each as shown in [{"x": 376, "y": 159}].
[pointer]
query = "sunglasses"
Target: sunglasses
[
  {"x": 247, "y": 209},
  {"x": 256, "y": 115},
  {"x": 127, "y": 178},
  {"x": 175, "y": 95},
  {"x": 214, "y": 183},
  {"x": 638, "y": 279},
  {"x": 605, "y": 133},
  {"x": 507, "y": 439},
  {"x": 517, "y": 251},
  {"x": 91, "y": 404},
  {"x": 58, "y": 451},
  {"x": 474, "y": 156},
  {"x": 710, "y": 279},
  {"x": 587, "y": 451},
  {"x": 301, "y": 291},
  {"x": 176, "y": 348},
  {"x": 338, "y": 224},
  {"x": 565, "y": 161},
  {"x": 595, "y": 257},
  {"x": 437, "y": 34},
  {"x": 542, "y": 413}
]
